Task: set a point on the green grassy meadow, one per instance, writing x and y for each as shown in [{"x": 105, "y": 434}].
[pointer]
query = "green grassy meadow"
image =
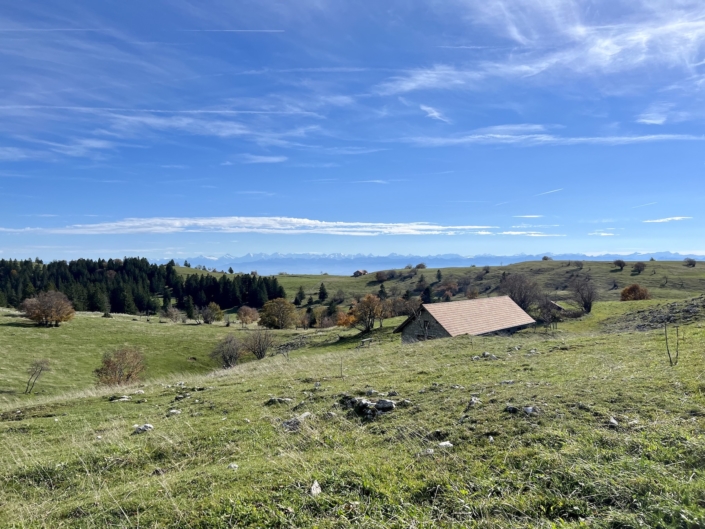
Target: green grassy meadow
[{"x": 69, "y": 458}]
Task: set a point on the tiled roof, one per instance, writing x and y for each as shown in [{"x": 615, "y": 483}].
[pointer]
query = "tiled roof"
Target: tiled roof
[{"x": 478, "y": 316}]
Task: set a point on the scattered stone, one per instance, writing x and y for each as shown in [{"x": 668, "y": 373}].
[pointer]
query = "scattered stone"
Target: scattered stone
[
  {"x": 613, "y": 423},
  {"x": 445, "y": 444},
  {"x": 247, "y": 421},
  {"x": 511, "y": 409},
  {"x": 315, "y": 489},
  {"x": 174, "y": 412},
  {"x": 142, "y": 429},
  {"x": 330, "y": 415},
  {"x": 457, "y": 386},
  {"x": 532, "y": 351},
  {"x": 233, "y": 466},
  {"x": 493, "y": 357},
  {"x": 474, "y": 401},
  {"x": 490, "y": 439},
  {"x": 124, "y": 398},
  {"x": 530, "y": 410},
  {"x": 392, "y": 394},
  {"x": 429, "y": 452},
  {"x": 507, "y": 382},
  {"x": 475, "y": 358},
  {"x": 199, "y": 388},
  {"x": 138, "y": 392},
  {"x": 405, "y": 403},
  {"x": 99, "y": 437},
  {"x": 371, "y": 392},
  {"x": 294, "y": 424},
  {"x": 278, "y": 400},
  {"x": 182, "y": 397},
  {"x": 385, "y": 405},
  {"x": 486, "y": 354},
  {"x": 317, "y": 385}
]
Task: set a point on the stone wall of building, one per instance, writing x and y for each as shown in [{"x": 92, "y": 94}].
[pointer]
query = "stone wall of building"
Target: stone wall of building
[{"x": 423, "y": 327}]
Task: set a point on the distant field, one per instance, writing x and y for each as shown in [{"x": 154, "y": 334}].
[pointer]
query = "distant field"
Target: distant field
[{"x": 664, "y": 279}]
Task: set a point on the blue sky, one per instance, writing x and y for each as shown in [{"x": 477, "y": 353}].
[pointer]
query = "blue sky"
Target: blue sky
[{"x": 182, "y": 128}]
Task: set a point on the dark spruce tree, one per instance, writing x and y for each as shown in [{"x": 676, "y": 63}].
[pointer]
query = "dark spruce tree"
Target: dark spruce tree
[{"x": 322, "y": 293}]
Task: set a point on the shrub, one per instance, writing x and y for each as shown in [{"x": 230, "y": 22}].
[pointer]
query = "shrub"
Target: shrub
[
  {"x": 380, "y": 277},
  {"x": 472, "y": 293},
  {"x": 121, "y": 366},
  {"x": 618, "y": 263},
  {"x": 635, "y": 293},
  {"x": 258, "y": 343},
  {"x": 172, "y": 314},
  {"x": 228, "y": 351},
  {"x": 690, "y": 262},
  {"x": 48, "y": 308},
  {"x": 278, "y": 314},
  {"x": 547, "y": 258},
  {"x": 247, "y": 315},
  {"x": 639, "y": 267},
  {"x": 212, "y": 313},
  {"x": 421, "y": 266}
]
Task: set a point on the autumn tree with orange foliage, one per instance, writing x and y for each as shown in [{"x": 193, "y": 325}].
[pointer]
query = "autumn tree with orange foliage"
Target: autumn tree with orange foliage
[{"x": 635, "y": 293}]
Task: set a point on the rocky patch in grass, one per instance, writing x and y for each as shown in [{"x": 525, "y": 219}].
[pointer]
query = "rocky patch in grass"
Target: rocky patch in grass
[{"x": 676, "y": 313}]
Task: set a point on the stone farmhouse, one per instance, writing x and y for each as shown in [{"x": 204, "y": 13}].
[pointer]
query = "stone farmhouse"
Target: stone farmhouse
[{"x": 475, "y": 317}]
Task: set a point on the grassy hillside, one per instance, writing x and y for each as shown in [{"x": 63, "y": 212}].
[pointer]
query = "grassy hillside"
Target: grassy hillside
[
  {"x": 665, "y": 279},
  {"x": 72, "y": 461}
]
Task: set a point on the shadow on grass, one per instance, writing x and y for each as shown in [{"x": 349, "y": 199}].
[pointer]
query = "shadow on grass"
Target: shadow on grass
[{"x": 22, "y": 325}]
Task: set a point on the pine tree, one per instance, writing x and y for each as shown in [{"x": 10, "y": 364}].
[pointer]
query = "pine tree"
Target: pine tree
[
  {"x": 230, "y": 270},
  {"x": 310, "y": 301},
  {"x": 166, "y": 299},
  {"x": 382, "y": 294},
  {"x": 322, "y": 293},
  {"x": 189, "y": 309},
  {"x": 426, "y": 295},
  {"x": 300, "y": 295}
]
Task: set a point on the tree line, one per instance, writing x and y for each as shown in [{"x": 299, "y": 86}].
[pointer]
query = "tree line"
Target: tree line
[{"x": 132, "y": 285}]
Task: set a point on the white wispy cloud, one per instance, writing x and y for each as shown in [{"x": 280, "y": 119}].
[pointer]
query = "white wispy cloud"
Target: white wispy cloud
[
  {"x": 602, "y": 234},
  {"x": 546, "y": 139},
  {"x": 268, "y": 225},
  {"x": 253, "y": 158},
  {"x": 528, "y": 216},
  {"x": 668, "y": 219},
  {"x": 11, "y": 154},
  {"x": 530, "y": 234},
  {"x": 433, "y": 113},
  {"x": 644, "y": 205},
  {"x": 549, "y": 192}
]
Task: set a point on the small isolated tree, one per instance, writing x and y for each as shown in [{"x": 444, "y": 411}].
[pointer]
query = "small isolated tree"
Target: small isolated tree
[
  {"x": 121, "y": 366},
  {"x": 339, "y": 296},
  {"x": 585, "y": 292},
  {"x": 247, "y": 315},
  {"x": 228, "y": 351},
  {"x": 382, "y": 294},
  {"x": 322, "y": 293},
  {"x": 690, "y": 262},
  {"x": 173, "y": 314},
  {"x": 635, "y": 293},
  {"x": 547, "y": 258},
  {"x": 439, "y": 275},
  {"x": 381, "y": 276},
  {"x": 421, "y": 266},
  {"x": 618, "y": 263},
  {"x": 230, "y": 270},
  {"x": 427, "y": 295},
  {"x": 48, "y": 308},
  {"x": 522, "y": 289},
  {"x": 35, "y": 371},
  {"x": 366, "y": 312},
  {"x": 638, "y": 267},
  {"x": 278, "y": 314},
  {"x": 258, "y": 343},
  {"x": 211, "y": 313}
]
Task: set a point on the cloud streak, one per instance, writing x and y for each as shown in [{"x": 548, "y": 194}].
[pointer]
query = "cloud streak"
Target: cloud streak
[
  {"x": 668, "y": 219},
  {"x": 537, "y": 140},
  {"x": 263, "y": 225},
  {"x": 433, "y": 113}
]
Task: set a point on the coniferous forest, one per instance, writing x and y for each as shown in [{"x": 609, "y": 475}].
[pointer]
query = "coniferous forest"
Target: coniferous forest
[{"x": 130, "y": 285}]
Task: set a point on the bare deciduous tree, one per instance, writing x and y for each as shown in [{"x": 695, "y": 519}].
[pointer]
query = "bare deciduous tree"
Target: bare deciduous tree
[
  {"x": 48, "y": 308},
  {"x": 522, "y": 289},
  {"x": 35, "y": 371},
  {"x": 121, "y": 366},
  {"x": 585, "y": 292},
  {"x": 228, "y": 351},
  {"x": 639, "y": 267},
  {"x": 247, "y": 315},
  {"x": 258, "y": 343},
  {"x": 173, "y": 314}
]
